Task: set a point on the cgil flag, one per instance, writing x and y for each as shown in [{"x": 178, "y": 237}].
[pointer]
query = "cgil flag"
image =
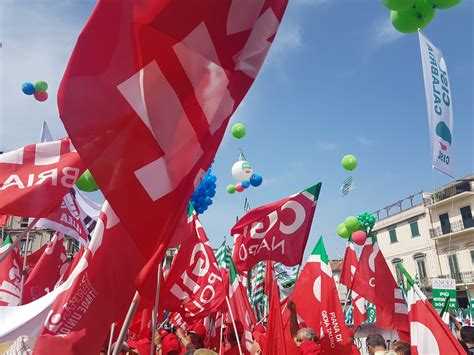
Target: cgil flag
[
  {"x": 10, "y": 275},
  {"x": 277, "y": 231},
  {"x": 439, "y": 104}
]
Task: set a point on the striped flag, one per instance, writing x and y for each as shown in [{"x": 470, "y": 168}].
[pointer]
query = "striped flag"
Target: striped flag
[
  {"x": 347, "y": 186},
  {"x": 257, "y": 284},
  {"x": 223, "y": 256}
]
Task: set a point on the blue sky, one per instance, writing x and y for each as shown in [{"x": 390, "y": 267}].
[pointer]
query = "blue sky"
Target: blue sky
[{"x": 339, "y": 79}]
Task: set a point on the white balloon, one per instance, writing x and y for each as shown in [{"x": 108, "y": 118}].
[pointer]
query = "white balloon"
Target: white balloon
[{"x": 241, "y": 170}]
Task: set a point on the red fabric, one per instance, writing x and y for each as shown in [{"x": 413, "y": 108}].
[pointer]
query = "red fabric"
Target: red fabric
[
  {"x": 34, "y": 257},
  {"x": 4, "y": 219},
  {"x": 275, "y": 341},
  {"x": 142, "y": 345},
  {"x": 162, "y": 83},
  {"x": 194, "y": 284},
  {"x": 10, "y": 277},
  {"x": 355, "y": 349},
  {"x": 277, "y": 231},
  {"x": 199, "y": 329},
  {"x": 170, "y": 343},
  {"x": 309, "y": 347},
  {"x": 72, "y": 265},
  {"x": 429, "y": 334},
  {"x": 34, "y": 179},
  {"x": 291, "y": 347},
  {"x": 98, "y": 292},
  {"x": 374, "y": 281},
  {"x": 140, "y": 326},
  {"x": 47, "y": 271}
]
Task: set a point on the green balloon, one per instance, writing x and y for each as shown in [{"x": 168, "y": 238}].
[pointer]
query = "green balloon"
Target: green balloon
[
  {"x": 238, "y": 130},
  {"x": 445, "y": 4},
  {"x": 230, "y": 189},
  {"x": 41, "y": 86},
  {"x": 409, "y": 21},
  {"x": 352, "y": 224},
  {"x": 398, "y": 5},
  {"x": 86, "y": 182},
  {"x": 349, "y": 162},
  {"x": 342, "y": 231}
]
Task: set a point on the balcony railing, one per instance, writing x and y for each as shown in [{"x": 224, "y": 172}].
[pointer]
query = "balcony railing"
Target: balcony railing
[
  {"x": 437, "y": 196},
  {"x": 456, "y": 226},
  {"x": 460, "y": 277}
]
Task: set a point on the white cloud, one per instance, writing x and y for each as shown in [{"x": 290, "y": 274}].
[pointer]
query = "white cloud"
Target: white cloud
[
  {"x": 287, "y": 39},
  {"x": 364, "y": 140},
  {"x": 385, "y": 32}
]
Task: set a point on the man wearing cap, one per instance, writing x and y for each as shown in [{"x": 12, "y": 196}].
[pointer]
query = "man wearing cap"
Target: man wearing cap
[
  {"x": 167, "y": 344},
  {"x": 194, "y": 337}
]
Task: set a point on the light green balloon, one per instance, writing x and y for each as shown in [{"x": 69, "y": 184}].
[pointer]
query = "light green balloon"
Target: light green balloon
[
  {"x": 349, "y": 162},
  {"x": 238, "y": 130},
  {"x": 398, "y": 5},
  {"x": 352, "y": 224},
  {"x": 445, "y": 4},
  {"x": 342, "y": 231},
  {"x": 41, "y": 86},
  {"x": 86, "y": 182},
  {"x": 409, "y": 21},
  {"x": 230, "y": 189}
]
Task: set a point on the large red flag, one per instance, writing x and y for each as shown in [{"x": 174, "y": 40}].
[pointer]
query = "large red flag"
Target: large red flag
[
  {"x": 277, "y": 231},
  {"x": 349, "y": 268},
  {"x": 47, "y": 271},
  {"x": 97, "y": 293},
  {"x": 4, "y": 219},
  {"x": 318, "y": 303},
  {"x": 374, "y": 281},
  {"x": 194, "y": 284},
  {"x": 147, "y": 95},
  {"x": 34, "y": 179},
  {"x": 275, "y": 340},
  {"x": 10, "y": 276},
  {"x": 428, "y": 333}
]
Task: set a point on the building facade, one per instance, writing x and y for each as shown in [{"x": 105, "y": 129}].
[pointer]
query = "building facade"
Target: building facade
[{"x": 432, "y": 235}]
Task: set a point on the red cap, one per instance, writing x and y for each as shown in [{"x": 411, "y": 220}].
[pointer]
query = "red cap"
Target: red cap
[
  {"x": 309, "y": 347},
  {"x": 170, "y": 343},
  {"x": 199, "y": 330}
]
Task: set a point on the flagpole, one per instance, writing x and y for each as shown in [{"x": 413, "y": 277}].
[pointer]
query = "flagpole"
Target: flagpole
[
  {"x": 154, "y": 315},
  {"x": 233, "y": 324},
  {"x": 19, "y": 238},
  {"x": 222, "y": 333},
  {"x": 126, "y": 323},
  {"x": 23, "y": 271},
  {"x": 112, "y": 329}
]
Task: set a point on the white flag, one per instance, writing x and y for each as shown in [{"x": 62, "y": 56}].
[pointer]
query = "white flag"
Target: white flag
[
  {"x": 439, "y": 103},
  {"x": 45, "y": 135}
]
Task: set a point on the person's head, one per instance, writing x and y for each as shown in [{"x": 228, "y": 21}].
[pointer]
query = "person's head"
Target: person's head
[
  {"x": 197, "y": 334},
  {"x": 375, "y": 342},
  {"x": 305, "y": 334},
  {"x": 170, "y": 345},
  {"x": 401, "y": 347},
  {"x": 467, "y": 335},
  {"x": 230, "y": 332}
]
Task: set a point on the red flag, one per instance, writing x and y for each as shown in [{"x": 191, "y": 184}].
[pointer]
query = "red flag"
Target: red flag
[
  {"x": 374, "y": 281},
  {"x": 34, "y": 257},
  {"x": 47, "y": 271},
  {"x": 34, "y": 179},
  {"x": 429, "y": 334},
  {"x": 70, "y": 218},
  {"x": 240, "y": 305},
  {"x": 349, "y": 268},
  {"x": 277, "y": 231},
  {"x": 4, "y": 219},
  {"x": 318, "y": 303},
  {"x": 162, "y": 83},
  {"x": 10, "y": 276},
  {"x": 275, "y": 340},
  {"x": 71, "y": 266},
  {"x": 97, "y": 293},
  {"x": 194, "y": 284},
  {"x": 291, "y": 347}
]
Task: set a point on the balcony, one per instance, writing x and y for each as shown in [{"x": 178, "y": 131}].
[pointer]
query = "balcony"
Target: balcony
[
  {"x": 449, "y": 229},
  {"x": 460, "y": 277},
  {"x": 448, "y": 192}
]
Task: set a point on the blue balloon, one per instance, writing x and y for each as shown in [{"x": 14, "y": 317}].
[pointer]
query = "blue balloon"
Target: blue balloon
[
  {"x": 212, "y": 178},
  {"x": 212, "y": 193},
  {"x": 28, "y": 88},
  {"x": 256, "y": 180},
  {"x": 207, "y": 201},
  {"x": 245, "y": 184}
]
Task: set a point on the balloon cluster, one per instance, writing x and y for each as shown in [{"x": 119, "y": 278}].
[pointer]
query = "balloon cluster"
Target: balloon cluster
[
  {"x": 38, "y": 90},
  {"x": 201, "y": 198},
  {"x": 408, "y": 16},
  {"x": 357, "y": 227},
  {"x": 243, "y": 173},
  {"x": 86, "y": 182}
]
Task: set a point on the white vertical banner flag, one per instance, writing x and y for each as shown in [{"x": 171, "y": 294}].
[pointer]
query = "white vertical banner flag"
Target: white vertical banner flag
[{"x": 440, "y": 108}]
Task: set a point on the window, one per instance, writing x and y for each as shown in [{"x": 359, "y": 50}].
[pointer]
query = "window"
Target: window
[
  {"x": 24, "y": 222},
  {"x": 445, "y": 225},
  {"x": 453, "y": 266},
  {"x": 467, "y": 217},
  {"x": 420, "y": 263},
  {"x": 22, "y": 246},
  {"x": 415, "y": 232},
  {"x": 393, "y": 236},
  {"x": 472, "y": 257},
  {"x": 398, "y": 273}
]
